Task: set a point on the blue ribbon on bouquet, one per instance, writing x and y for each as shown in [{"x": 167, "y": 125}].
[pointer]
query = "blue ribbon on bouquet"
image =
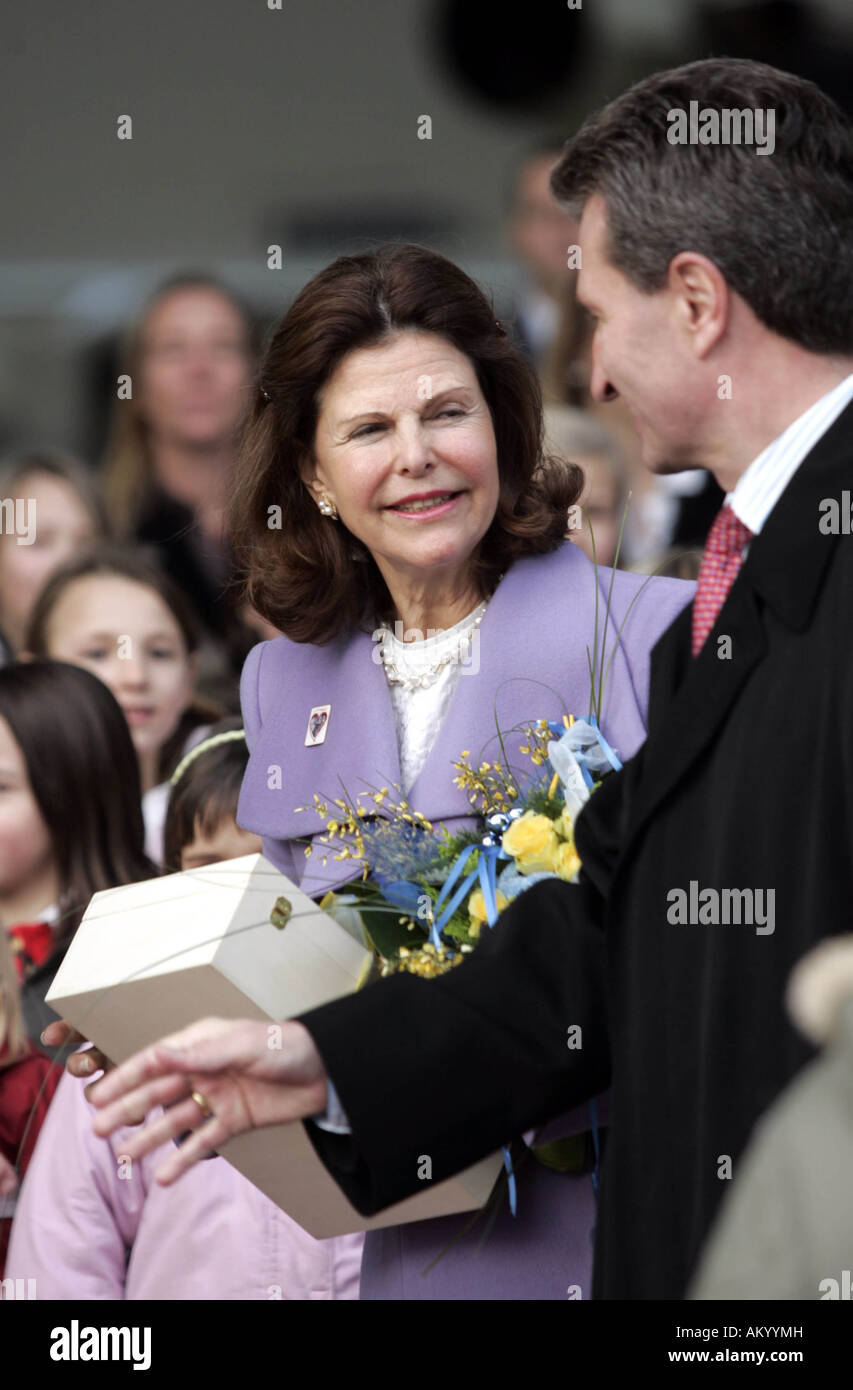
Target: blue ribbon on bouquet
[
  {"x": 454, "y": 892},
  {"x": 575, "y": 735},
  {"x": 490, "y": 850}
]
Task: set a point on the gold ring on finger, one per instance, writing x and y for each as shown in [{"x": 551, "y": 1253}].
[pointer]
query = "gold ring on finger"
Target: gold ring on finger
[{"x": 206, "y": 1112}]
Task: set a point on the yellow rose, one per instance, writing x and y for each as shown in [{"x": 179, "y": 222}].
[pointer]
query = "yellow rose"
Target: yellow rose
[
  {"x": 566, "y": 861},
  {"x": 565, "y": 827},
  {"x": 531, "y": 840},
  {"x": 477, "y": 909}
]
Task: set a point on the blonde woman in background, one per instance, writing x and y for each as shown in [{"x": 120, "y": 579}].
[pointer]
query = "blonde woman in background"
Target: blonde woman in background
[{"x": 169, "y": 468}]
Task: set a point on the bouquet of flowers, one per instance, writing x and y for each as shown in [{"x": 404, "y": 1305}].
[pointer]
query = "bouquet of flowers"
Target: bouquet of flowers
[{"x": 424, "y": 895}]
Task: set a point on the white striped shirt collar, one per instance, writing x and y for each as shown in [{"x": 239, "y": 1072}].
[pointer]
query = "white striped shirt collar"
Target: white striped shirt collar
[{"x": 758, "y": 489}]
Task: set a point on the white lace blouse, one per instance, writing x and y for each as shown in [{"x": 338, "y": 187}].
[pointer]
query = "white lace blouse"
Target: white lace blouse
[{"x": 420, "y": 710}]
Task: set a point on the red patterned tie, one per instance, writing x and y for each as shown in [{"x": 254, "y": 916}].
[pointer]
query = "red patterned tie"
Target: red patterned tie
[{"x": 723, "y": 557}]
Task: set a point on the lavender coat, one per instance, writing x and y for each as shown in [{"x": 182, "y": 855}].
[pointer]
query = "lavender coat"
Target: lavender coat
[{"x": 532, "y": 664}]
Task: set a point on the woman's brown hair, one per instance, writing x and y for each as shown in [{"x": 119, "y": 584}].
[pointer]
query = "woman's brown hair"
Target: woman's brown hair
[
  {"x": 137, "y": 565},
  {"x": 84, "y": 776},
  {"x": 312, "y": 578}
]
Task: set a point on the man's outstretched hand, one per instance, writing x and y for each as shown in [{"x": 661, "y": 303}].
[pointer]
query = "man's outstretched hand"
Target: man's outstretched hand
[{"x": 250, "y": 1074}]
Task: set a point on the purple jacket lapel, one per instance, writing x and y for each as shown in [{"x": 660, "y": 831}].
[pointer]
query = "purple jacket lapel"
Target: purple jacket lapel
[
  {"x": 528, "y": 670},
  {"x": 532, "y": 664},
  {"x": 360, "y": 745}
]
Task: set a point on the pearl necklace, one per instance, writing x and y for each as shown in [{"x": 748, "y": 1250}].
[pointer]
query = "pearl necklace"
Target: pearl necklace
[{"x": 428, "y": 674}]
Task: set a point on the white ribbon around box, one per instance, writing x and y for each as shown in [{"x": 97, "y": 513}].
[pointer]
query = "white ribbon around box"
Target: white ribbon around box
[{"x": 150, "y": 958}]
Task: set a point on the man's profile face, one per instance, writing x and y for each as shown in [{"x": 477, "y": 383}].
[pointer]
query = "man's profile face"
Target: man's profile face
[{"x": 639, "y": 352}]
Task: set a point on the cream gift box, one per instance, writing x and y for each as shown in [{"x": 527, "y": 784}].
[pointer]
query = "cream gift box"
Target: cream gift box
[{"x": 150, "y": 958}]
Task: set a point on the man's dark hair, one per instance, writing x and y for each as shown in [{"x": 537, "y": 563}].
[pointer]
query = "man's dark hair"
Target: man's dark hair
[{"x": 779, "y": 226}]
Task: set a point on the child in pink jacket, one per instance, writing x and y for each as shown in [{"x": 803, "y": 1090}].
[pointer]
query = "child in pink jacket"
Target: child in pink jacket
[{"x": 91, "y": 1225}]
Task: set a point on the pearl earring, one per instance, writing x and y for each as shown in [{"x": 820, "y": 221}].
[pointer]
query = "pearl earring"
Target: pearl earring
[{"x": 327, "y": 506}]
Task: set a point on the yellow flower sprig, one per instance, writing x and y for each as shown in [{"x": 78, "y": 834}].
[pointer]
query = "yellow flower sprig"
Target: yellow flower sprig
[
  {"x": 538, "y": 737},
  {"x": 344, "y": 826},
  {"x": 489, "y": 786},
  {"x": 427, "y": 961},
  {"x": 397, "y": 810}
]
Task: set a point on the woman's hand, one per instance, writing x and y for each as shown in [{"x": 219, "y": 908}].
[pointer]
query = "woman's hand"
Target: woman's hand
[
  {"x": 250, "y": 1075},
  {"x": 62, "y": 1034}
]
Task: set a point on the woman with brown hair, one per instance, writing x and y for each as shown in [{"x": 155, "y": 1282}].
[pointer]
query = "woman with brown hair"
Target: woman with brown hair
[{"x": 396, "y": 519}]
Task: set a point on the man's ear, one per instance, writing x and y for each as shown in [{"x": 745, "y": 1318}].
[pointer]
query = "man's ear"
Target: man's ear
[{"x": 703, "y": 298}]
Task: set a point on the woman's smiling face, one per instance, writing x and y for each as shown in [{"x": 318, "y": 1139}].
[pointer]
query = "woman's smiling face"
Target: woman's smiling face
[{"x": 405, "y": 447}]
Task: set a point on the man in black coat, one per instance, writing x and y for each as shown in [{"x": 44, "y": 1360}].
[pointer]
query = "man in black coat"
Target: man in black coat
[{"x": 720, "y": 275}]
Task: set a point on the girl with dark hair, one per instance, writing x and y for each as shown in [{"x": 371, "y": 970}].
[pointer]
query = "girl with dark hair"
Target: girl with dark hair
[
  {"x": 84, "y": 1230},
  {"x": 70, "y": 816},
  {"x": 116, "y": 613}
]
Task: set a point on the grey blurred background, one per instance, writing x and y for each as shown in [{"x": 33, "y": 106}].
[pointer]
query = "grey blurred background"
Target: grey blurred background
[{"x": 296, "y": 126}]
